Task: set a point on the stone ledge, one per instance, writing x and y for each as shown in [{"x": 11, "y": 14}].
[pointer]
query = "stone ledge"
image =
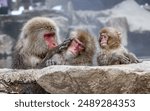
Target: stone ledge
[{"x": 132, "y": 78}]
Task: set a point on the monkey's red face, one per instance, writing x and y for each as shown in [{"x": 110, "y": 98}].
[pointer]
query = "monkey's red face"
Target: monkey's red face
[
  {"x": 103, "y": 39},
  {"x": 76, "y": 47},
  {"x": 50, "y": 40}
]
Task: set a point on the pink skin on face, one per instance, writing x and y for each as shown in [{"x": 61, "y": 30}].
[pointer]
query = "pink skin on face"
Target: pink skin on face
[
  {"x": 50, "y": 40},
  {"x": 76, "y": 47},
  {"x": 103, "y": 39}
]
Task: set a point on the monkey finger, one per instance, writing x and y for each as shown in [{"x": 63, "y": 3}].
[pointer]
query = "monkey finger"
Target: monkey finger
[
  {"x": 125, "y": 61},
  {"x": 50, "y": 62},
  {"x": 66, "y": 42},
  {"x": 64, "y": 45}
]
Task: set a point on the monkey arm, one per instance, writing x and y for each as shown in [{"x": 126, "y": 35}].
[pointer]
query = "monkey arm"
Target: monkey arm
[
  {"x": 81, "y": 61},
  {"x": 57, "y": 59},
  {"x": 125, "y": 58},
  {"x": 112, "y": 59},
  {"x": 118, "y": 59},
  {"x": 58, "y": 49},
  {"x": 132, "y": 58},
  {"x": 103, "y": 59},
  {"x": 17, "y": 61}
]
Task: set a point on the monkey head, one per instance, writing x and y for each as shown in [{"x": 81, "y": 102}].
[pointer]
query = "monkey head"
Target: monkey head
[
  {"x": 109, "y": 38},
  {"x": 40, "y": 34},
  {"x": 76, "y": 47},
  {"x": 81, "y": 43}
]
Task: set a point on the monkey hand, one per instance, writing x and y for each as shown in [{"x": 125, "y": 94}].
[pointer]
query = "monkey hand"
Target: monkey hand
[
  {"x": 57, "y": 50},
  {"x": 65, "y": 44},
  {"x": 102, "y": 59},
  {"x": 57, "y": 59},
  {"x": 51, "y": 62},
  {"x": 120, "y": 59},
  {"x": 133, "y": 58}
]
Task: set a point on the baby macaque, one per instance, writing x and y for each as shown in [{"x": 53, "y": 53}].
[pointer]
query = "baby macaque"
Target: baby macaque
[{"x": 112, "y": 52}]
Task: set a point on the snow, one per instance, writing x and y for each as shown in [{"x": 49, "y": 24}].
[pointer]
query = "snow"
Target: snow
[{"x": 58, "y": 7}]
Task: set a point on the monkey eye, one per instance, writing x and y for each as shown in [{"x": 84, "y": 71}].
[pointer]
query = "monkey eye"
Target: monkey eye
[
  {"x": 103, "y": 35},
  {"x": 79, "y": 43},
  {"x": 81, "y": 46}
]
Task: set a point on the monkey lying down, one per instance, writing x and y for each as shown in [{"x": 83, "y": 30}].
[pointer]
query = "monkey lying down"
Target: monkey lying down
[{"x": 112, "y": 52}]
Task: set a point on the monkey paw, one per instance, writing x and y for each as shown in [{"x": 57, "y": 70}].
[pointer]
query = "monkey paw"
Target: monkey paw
[
  {"x": 120, "y": 58},
  {"x": 50, "y": 62},
  {"x": 65, "y": 44}
]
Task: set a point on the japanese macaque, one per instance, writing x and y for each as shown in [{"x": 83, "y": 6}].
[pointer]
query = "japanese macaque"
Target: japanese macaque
[
  {"x": 39, "y": 36},
  {"x": 112, "y": 52},
  {"x": 79, "y": 52}
]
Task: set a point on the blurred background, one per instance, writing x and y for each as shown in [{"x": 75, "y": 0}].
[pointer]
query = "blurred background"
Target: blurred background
[{"x": 131, "y": 17}]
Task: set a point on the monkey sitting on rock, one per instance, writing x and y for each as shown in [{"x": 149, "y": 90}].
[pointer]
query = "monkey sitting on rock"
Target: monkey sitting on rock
[{"x": 112, "y": 52}]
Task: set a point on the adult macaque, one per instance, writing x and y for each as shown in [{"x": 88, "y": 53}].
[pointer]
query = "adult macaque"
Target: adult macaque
[
  {"x": 112, "y": 52},
  {"x": 38, "y": 37},
  {"x": 79, "y": 52}
]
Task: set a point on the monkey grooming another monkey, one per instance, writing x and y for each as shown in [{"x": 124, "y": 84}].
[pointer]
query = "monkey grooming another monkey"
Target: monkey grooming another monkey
[
  {"x": 112, "y": 52},
  {"x": 79, "y": 52},
  {"x": 38, "y": 37}
]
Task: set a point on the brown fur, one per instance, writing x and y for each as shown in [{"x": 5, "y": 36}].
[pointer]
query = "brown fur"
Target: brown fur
[
  {"x": 31, "y": 47},
  {"x": 114, "y": 52},
  {"x": 114, "y": 40},
  {"x": 84, "y": 58}
]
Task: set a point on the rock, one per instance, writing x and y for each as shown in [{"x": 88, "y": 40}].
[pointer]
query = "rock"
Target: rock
[
  {"x": 132, "y": 78},
  {"x": 19, "y": 81},
  {"x": 108, "y": 79},
  {"x": 135, "y": 20}
]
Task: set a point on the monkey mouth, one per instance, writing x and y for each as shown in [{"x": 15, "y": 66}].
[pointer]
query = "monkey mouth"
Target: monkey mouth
[{"x": 103, "y": 43}]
